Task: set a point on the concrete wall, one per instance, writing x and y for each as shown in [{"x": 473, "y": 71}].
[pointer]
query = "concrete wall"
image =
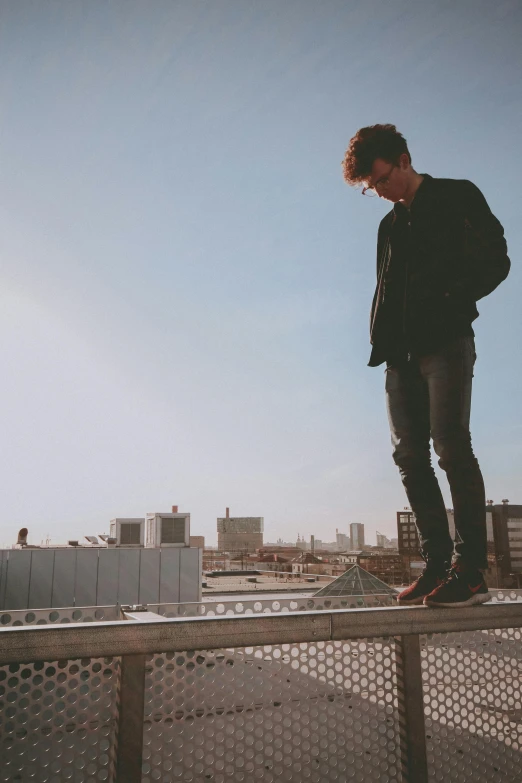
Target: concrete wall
[{"x": 43, "y": 578}]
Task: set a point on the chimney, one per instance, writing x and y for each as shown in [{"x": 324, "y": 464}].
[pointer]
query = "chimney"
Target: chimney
[
  {"x": 505, "y": 501},
  {"x": 174, "y": 509},
  {"x": 228, "y": 513}
]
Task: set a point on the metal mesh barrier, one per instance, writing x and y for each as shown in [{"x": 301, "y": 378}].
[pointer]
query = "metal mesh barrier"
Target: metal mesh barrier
[
  {"x": 292, "y": 604},
  {"x": 502, "y": 596},
  {"x": 269, "y": 606},
  {"x": 58, "y": 721},
  {"x": 84, "y": 614},
  {"x": 473, "y": 706},
  {"x": 323, "y": 711}
]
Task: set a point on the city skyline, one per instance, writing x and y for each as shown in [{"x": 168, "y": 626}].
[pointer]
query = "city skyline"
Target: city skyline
[{"x": 272, "y": 532}]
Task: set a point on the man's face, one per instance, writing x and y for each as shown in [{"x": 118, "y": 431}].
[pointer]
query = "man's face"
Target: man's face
[{"x": 389, "y": 180}]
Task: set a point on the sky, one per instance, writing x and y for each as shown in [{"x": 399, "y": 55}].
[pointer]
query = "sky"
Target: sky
[{"x": 186, "y": 278}]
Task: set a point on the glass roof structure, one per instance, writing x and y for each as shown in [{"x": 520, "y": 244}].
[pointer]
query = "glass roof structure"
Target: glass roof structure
[{"x": 356, "y": 581}]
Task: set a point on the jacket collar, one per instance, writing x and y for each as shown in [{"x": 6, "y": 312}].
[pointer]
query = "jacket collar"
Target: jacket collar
[{"x": 399, "y": 210}]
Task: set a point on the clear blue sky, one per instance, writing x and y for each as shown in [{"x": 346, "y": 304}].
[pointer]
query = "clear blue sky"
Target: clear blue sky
[{"x": 185, "y": 277}]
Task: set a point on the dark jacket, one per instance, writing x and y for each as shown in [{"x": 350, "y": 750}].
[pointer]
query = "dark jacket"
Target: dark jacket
[{"x": 434, "y": 262}]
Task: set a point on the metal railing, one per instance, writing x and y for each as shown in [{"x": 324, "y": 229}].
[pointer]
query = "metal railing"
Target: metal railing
[
  {"x": 216, "y": 608},
  {"x": 373, "y": 694},
  {"x": 68, "y": 614}
]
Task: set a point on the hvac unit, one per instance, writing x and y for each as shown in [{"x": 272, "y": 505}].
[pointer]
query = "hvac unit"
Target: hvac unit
[
  {"x": 128, "y": 532},
  {"x": 168, "y": 530}
]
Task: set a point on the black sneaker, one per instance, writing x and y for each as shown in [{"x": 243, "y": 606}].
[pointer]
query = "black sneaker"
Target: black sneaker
[
  {"x": 432, "y": 576},
  {"x": 462, "y": 587}
]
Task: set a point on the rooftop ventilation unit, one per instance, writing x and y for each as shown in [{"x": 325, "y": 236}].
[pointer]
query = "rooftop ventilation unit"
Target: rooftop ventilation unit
[
  {"x": 168, "y": 530},
  {"x": 128, "y": 531},
  {"x": 22, "y": 536}
]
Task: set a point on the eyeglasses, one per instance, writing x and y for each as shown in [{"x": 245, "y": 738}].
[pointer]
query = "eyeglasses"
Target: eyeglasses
[{"x": 381, "y": 184}]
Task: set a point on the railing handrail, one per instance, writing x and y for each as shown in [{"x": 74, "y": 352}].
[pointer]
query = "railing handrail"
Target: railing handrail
[
  {"x": 112, "y": 638},
  {"x": 224, "y": 599}
]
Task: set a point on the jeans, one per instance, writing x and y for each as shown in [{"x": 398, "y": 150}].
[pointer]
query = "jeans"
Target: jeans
[{"x": 430, "y": 396}]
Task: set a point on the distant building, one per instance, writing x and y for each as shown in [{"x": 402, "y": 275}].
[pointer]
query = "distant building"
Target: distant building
[
  {"x": 307, "y": 563},
  {"x": 390, "y": 566},
  {"x": 384, "y": 542},
  {"x": 273, "y": 563},
  {"x": 342, "y": 540},
  {"x": 288, "y": 552},
  {"x": 301, "y": 543},
  {"x": 215, "y": 561},
  {"x": 381, "y": 540},
  {"x": 327, "y": 546},
  {"x": 356, "y": 536},
  {"x": 243, "y": 563},
  {"x": 239, "y": 534},
  {"x": 407, "y": 534},
  {"x": 504, "y": 525},
  {"x": 347, "y": 558}
]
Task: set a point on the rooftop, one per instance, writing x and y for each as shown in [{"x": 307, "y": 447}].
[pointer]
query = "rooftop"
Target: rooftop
[{"x": 264, "y": 581}]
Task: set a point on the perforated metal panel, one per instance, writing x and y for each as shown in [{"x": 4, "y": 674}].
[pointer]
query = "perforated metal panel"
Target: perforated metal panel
[
  {"x": 58, "y": 721},
  {"x": 324, "y": 711},
  {"x": 503, "y": 596},
  {"x": 84, "y": 614},
  {"x": 268, "y": 605},
  {"x": 473, "y": 706}
]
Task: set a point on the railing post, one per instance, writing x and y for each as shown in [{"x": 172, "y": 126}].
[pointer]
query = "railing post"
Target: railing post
[
  {"x": 411, "y": 710},
  {"x": 130, "y": 733}
]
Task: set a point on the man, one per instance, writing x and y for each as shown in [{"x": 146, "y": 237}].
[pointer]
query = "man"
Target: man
[{"x": 439, "y": 250}]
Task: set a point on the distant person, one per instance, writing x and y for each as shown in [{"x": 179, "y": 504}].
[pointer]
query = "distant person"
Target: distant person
[{"x": 439, "y": 250}]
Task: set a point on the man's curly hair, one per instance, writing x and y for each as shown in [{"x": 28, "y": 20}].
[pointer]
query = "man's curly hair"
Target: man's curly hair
[{"x": 368, "y": 144}]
